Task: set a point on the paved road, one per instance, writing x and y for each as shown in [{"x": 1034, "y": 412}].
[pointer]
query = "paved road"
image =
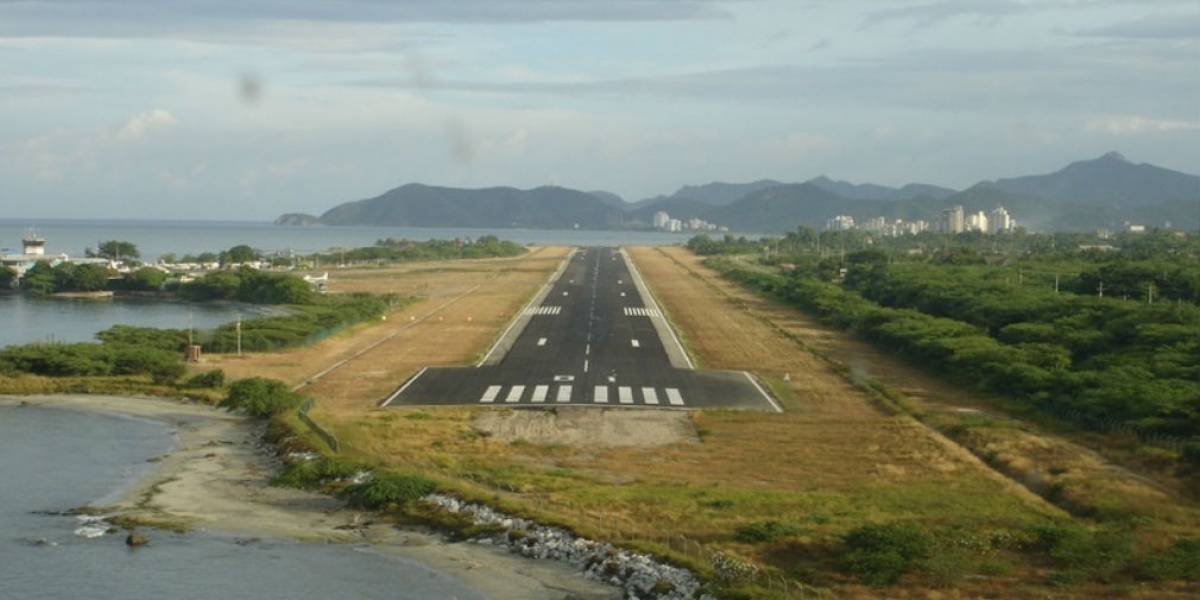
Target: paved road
[{"x": 590, "y": 339}]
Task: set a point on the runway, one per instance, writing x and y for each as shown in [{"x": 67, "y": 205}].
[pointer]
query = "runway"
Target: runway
[{"x": 589, "y": 338}]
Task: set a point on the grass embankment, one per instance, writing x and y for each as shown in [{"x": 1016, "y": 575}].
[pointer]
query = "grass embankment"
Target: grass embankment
[{"x": 783, "y": 491}]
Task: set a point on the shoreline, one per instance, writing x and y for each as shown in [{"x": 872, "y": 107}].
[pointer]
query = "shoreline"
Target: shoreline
[{"x": 216, "y": 479}]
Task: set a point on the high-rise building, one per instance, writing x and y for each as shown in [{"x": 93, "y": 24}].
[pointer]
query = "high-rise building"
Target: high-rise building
[
  {"x": 999, "y": 220},
  {"x": 661, "y": 218},
  {"x": 952, "y": 220}
]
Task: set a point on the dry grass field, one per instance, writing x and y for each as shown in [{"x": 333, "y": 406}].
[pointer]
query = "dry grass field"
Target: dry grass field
[{"x": 835, "y": 460}]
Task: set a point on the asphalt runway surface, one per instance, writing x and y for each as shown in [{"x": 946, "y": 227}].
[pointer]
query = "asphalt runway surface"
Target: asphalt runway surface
[{"x": 588, "y": 339}]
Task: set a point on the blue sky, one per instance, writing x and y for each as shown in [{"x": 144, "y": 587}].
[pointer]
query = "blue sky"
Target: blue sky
[{"x": 223, "y": 109}]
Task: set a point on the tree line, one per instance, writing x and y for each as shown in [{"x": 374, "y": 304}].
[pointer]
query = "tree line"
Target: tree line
[{"x": 1033, "y": 329}]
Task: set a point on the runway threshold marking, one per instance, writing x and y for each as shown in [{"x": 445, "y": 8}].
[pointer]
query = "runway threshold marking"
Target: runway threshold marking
[
  {"x": 674, "y": 397},
  {"x": 636, "y": 344},
  {"x": 490, "y": 394},
  {"x": 514, "y": 394},
  {"x": 625, "y": 395},
  {"x": 564, "y": 394},
  {"x": 539, "y": 394},
  {"x": 541, "y": 341},
  {"x": 650, "y": 395},
  {"x": 601, "y": 395}
]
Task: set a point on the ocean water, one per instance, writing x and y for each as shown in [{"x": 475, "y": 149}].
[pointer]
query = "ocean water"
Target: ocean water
[
  {"x": 156, "y": 238},
  {"x": 52, "y": 460},
  {"x": 29, "y": 320}
]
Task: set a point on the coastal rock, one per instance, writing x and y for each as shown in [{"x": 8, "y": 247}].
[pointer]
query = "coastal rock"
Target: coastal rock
[
  {"x": 135, "y": 540},
  {"x": 639, "y": 576}
]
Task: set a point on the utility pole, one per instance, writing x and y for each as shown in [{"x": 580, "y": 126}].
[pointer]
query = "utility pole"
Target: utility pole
[{"x": 239, "y": 334}]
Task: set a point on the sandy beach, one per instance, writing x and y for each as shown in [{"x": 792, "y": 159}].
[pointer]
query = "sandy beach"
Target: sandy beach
[{"x": 216, "y": 479}]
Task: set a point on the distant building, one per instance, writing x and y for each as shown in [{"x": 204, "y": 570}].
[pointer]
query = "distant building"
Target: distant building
[
  {"x": 952, "y": 220},
  {"x": 999, "y": 221},
  {"x": 840, "y": 223},
  {"x": 661, "y": 218},
  {"x": 977, "y": 222}
]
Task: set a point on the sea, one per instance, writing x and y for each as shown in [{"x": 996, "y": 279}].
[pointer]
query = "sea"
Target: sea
[{"x": 52, "y": 460}]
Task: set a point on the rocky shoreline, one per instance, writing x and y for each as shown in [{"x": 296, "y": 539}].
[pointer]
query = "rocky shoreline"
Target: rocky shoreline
[
  {"x": 217, "y": 479},
  {"x": 639, "y": 576}
]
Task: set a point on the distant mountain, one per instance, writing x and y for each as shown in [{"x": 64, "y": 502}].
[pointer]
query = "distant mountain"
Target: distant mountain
[
  {"x": 722, "y": 194},
  {"x": 416, "y": 205},
  {"x": 678, "y": 208},
  {"x": 863, "y": 191},
  {"x": 782, "y": 208},
  {"x": 1106, "y": 192},
  {"x": 1109, "y": 181},
  {"x": 922, "y": 190},
  {"x": 870, "y": 191},
  {"x": 610, "y": 199}
]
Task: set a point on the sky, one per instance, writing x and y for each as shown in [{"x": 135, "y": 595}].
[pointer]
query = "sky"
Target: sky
[{"x": 248, "y": 109}]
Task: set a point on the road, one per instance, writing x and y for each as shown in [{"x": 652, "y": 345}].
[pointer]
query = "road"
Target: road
[{"x": 590, "y": 338}]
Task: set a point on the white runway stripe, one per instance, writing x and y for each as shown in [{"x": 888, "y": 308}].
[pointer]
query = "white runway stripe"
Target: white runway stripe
[
  {"x": 650, "y": 395},
  {"x": 541, "y": 394},
  {"x": 640, "y": 311},
  {"x": 490, "y": 394},
  {"x": 514, "y": 395},
  {"x": 673, "y": 397},
  {"x": 542, "y": 310}
]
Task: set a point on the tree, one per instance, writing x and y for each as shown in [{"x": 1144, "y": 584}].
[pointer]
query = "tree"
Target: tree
[
  {"x": 240, "y": 254},
  {"x": 89, "y": 278},
  {"x": 118, "y": 250},
  {"x": 147, "y": 279},
  {"x": 39, "y": 279},
  {"x": 260, "y": 397},
  {"x": 8, "y": 276}
]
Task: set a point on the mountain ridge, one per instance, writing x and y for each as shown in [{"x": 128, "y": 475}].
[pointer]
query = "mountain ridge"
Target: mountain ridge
[{"x": 1117, "y": 189}]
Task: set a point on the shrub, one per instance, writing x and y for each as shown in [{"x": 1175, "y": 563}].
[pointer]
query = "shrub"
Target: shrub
[
  {"x": 314, "y": 474},
  {"x": 881, "y": 554},
  {"x": 260, "y": 397},
  {"x": 1180, "y": 562},
  {"x": 208, "y": 379},
  {"x": 383, "y": 491}
]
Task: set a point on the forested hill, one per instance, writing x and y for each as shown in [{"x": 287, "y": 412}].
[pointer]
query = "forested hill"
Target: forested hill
[
  {"x": 416, "y": 205},
  {"x": 1106, "y": 192}
]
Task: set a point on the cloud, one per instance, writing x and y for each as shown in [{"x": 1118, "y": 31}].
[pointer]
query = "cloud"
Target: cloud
[
  {"x": 1133, "y": 125},
  {"x": 929, "y": 14},
  {"x": 154, "y": 18},
  {"x": 1161, "y": 27},
  {"x": 144, "y": 124}
]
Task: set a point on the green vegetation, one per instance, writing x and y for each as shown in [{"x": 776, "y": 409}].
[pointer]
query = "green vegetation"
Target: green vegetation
[
  {"x": 91, "y": 360},
  {"x": 117, "y": 250},
  {"x": 402, "y": 250},
  {"x": 386, "y": 491},
  {"x": 1033, "y": 330},
  {"x": 260, "y": 397}
]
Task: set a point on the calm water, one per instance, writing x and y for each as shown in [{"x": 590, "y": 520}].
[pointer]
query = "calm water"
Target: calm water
[
  {"x": 155, "y": 238},
  {"x": 27, "y": 320},
  {"x": 53, "y": 460},
  {"x": 57, "y": 459}
]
